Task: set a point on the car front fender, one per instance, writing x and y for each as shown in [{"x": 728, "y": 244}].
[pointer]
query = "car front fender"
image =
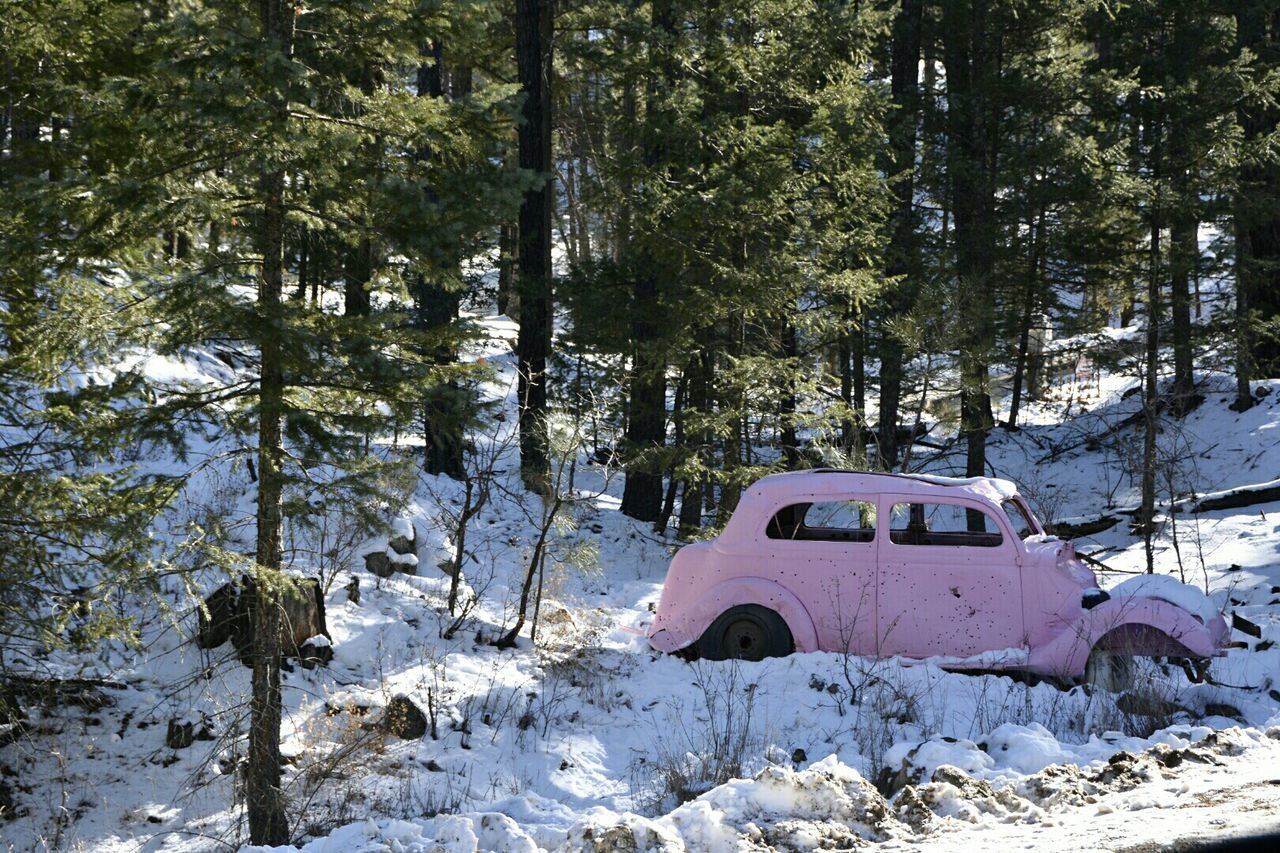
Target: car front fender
[
  {"x": 1135, "y": 624},
  {"x": 680, "y": 625}
]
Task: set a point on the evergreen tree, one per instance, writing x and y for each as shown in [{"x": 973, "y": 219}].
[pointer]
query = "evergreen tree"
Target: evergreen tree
[
  {"x": 232, "y": 114},
  {"x": 1256, "y": 197},
  {"x": 534, "y": 26}
]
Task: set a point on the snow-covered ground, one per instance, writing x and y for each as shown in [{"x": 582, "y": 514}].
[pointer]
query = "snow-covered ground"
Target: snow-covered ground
[{"x": 592, "y": 741}]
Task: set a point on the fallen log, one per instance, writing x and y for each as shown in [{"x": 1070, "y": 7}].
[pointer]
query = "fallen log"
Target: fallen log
[
  {"x": 1242, "y": 497},
  {"x": 1076, "y": 529},
  {"x": 1245, "y": 626}
]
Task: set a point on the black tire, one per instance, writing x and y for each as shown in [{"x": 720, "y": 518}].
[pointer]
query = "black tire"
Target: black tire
[{"x": 746, "y": 632}]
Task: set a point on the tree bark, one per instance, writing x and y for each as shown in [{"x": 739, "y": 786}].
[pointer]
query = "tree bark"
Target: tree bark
[
  {"x": 1028, "y": 316},
  {"x": 1257, "y": 222},
  {"x": 694, "y": 492},
  {"x": 787, "y": 405},
  {"x": 972, "y": 74},
  {"x": 264, "y": 800},
  {"x": 647, "y": 415},
  {"x": 357, "y": 271},
  {"x": 1145, "y": 520},
  {"x": 900, "y": 256},
  {"x": 1183, "y": 254},
  {"x": 534, "y": 20},
  {"x": 436, "y": 307},
  {"x": 1264, "y": 224}
]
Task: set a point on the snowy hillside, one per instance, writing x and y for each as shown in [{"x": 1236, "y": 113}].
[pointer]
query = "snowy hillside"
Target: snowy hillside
[{"x": 589, "y": 740}]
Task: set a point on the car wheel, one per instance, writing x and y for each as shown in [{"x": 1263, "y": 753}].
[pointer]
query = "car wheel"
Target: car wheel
[
  {"x": 746, "y": 632},
  {"x": 1109, "y": 670}
]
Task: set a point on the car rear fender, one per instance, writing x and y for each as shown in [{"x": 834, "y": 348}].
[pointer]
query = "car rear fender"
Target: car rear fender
[
  {"x": 1133, "y": 624},
  {"x": 686, "y": 623}
]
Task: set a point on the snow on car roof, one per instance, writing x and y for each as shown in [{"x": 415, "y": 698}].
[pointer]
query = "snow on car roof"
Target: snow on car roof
[
  {"x": 990, "y": 487},
  {"x": 763, "y": 495}
]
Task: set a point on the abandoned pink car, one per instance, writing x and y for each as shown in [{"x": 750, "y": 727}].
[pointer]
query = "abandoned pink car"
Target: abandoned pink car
[{"x": 918, "y": 566}]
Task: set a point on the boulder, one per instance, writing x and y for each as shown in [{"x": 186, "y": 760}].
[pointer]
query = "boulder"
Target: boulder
[
  {"x": 219, "y": 617},
  {"x": 378, "y": 563},
  {"x": 404, "y": 544},
  {"x": 315, "y": 651},
  {"x": 230, "y": 616},
  {"x": 184, "y": 731},
  {"x": 404, "y": 719}
]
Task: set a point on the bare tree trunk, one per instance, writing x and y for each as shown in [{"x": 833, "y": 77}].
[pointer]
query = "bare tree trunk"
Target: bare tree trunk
[
  {"x": 787, "y": 405},
  {"x": 698, "y": 401},
  {"x": 1028, "y": 315},
  {"x": 677, "y": 416},
  {"x": 851, "y": 424},
  {"x": 534, "y": 568},
  {"x": 1183, "y": 255},
  {"x": 508, "y": 301},
  {"x": 1243, "y": 346},
  {"x": 1145, "y": 520},
  {"x": 534, "y": 21}
]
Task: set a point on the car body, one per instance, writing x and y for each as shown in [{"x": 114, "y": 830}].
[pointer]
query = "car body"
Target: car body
[{"x": 918, "y": 566}]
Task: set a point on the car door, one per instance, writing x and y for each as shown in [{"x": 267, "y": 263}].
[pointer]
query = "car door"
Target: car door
[
  {"x": 824, "y": 550},
  {"x": 949, "y": 580}
]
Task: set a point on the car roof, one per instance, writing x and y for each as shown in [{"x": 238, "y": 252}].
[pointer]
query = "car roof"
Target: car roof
[
  {"x": 844, "y": 479},
  {"x": 766, "y": 494}
]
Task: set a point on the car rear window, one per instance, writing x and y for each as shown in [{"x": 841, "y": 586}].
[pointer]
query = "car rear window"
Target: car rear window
[
  {"x": 942, "y": 524},
  {"x": 825, "y": 521}
]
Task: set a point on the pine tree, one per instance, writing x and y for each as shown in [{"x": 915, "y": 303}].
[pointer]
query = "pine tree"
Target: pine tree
[
  {"x": 534, "y": 26},
  {"x": 232, "y": 114},
  {"x": 75, "y": 513},
  {"x": 1256, "y": 198}
]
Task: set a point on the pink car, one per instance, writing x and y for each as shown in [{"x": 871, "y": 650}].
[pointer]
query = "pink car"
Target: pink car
[{"x": 919, "y": 566}]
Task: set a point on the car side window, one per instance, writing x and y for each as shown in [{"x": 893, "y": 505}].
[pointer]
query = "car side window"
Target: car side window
[
  {"x": 825, "y": 521},
  {"x": 942, "y": 524},
  {"x": 1018, "y": 518}
]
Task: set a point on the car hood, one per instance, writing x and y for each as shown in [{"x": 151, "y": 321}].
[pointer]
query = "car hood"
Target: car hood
[{"x": 1043, "y": 548}]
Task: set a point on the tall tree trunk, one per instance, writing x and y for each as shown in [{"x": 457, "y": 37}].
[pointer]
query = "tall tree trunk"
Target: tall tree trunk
[
  {"x": 1184, "y": 216},
  {"x": 508, "y": 239},
  {"x": 534, "y": 20},
  {"x": 849, "y": 344},
  {"x": 1028, "y": 316},
  {"x": 972, "y": 75},
  {"x": 1145, "y": 520},
  {"x": 1183, "y": 254},
  {"x": 1257, "y": 220},
  {"x": 697, "y": 401},
  {"x": 647, "y": 415},
  {"x": 680, "y": 441},
  {"x": 436, "y": 306},
  {"x": 264, "y": 800},
  {"x": 787, "y": 407},
  {"x": 900, "y": 257},
  {"x": 357, "y": 272},
  {"x": 1243, "y": 344}
]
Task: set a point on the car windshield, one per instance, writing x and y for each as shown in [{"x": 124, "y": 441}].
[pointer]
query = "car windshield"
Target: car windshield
[{"x": 1019, "y": 517}]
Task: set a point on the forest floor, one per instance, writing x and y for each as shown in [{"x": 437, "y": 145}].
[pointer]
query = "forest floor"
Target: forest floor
[{"x": 590, "y": 740}]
